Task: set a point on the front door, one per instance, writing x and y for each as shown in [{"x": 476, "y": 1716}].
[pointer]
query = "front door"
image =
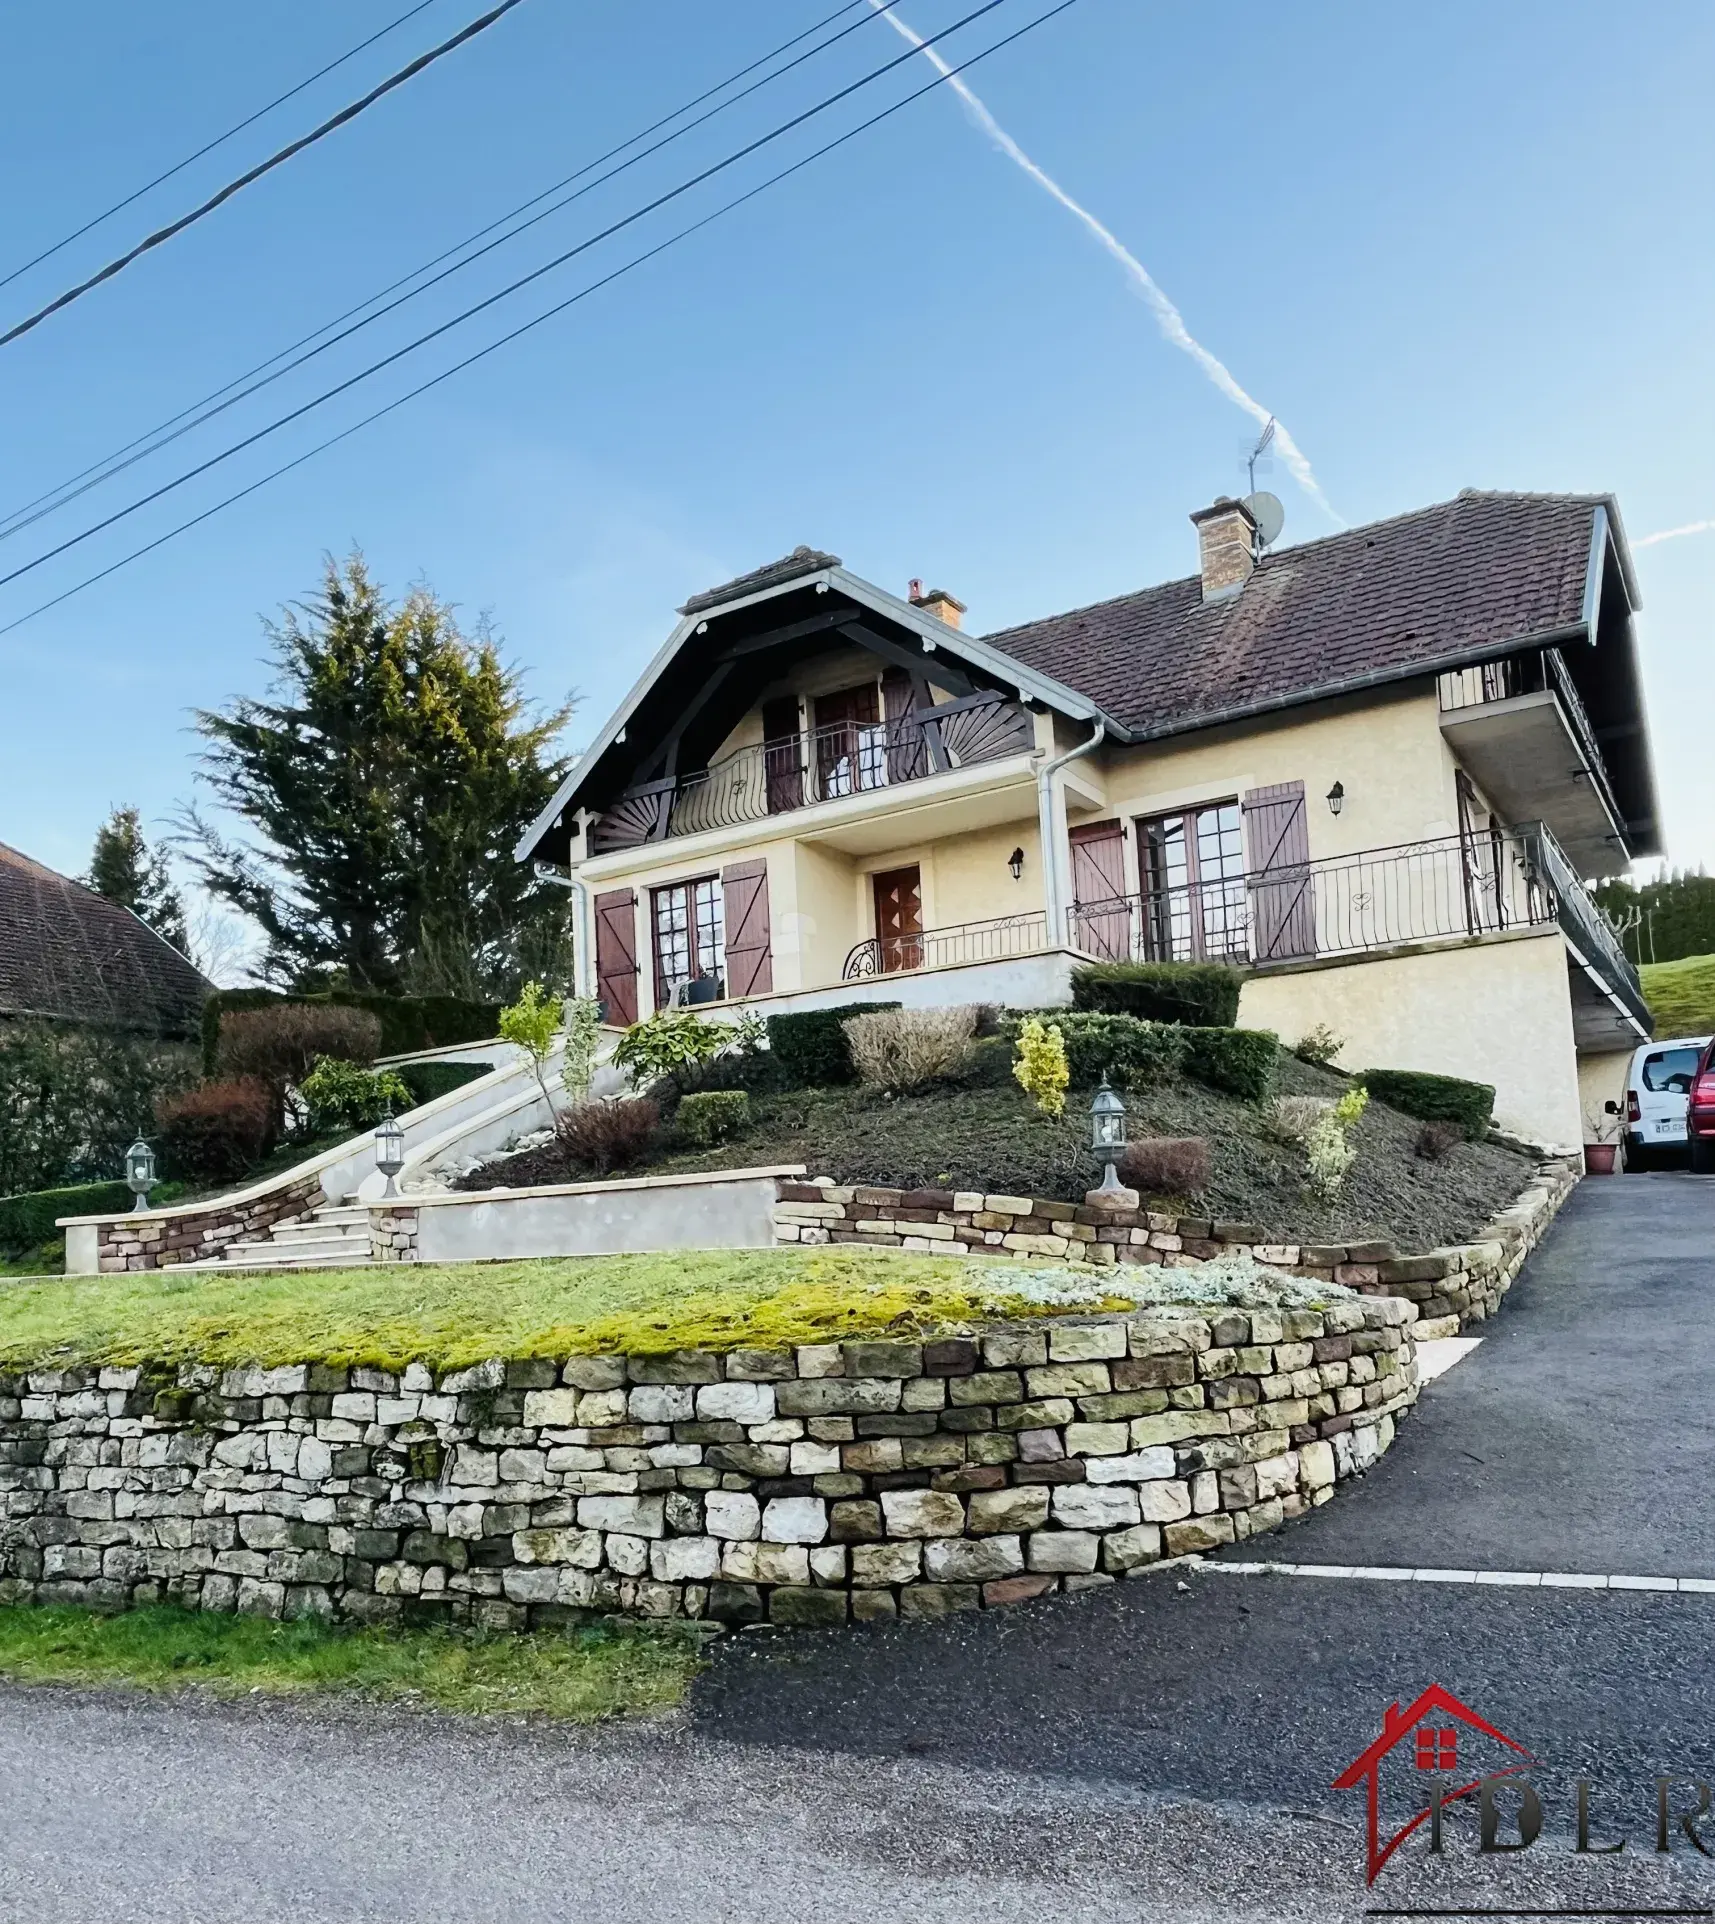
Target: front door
[{"x": 899, "y": 918}]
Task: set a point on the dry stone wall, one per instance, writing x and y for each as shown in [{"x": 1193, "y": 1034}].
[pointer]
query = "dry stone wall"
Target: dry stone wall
[
  {"x": 159, "y": 1239},
  {"x": 858, "y": 1480}
]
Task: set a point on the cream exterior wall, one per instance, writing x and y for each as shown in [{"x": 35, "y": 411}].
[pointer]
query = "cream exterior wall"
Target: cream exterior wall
[
  {"x": 1497, "y": 1010},
  {"x": 1602, "y": 1078}
]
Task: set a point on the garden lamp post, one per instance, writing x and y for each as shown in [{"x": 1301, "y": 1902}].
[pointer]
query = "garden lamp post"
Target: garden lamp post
[
  {"x": 140, "y": 1172},
  {"x": 389, "y": 1152},
  {"x": 1107, "y": 1136}
]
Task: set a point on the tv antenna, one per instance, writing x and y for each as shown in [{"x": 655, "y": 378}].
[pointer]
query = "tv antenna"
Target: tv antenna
[{"x": 1264, "y": 443}]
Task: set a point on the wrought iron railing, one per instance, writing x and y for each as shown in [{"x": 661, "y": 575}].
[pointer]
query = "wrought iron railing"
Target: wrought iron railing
[
  {"x": 992, "y": 941},
  {"x": 820, "y": 765}
]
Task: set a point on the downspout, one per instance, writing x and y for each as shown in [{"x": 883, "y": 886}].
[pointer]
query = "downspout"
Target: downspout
[
  {"x": 1052, "y": 894},
  {"x": 583, "y": 954}
]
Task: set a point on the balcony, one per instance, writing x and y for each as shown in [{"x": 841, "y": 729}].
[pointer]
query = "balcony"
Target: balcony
[
  {"x": 847, "y": 760},
  {"x": 1520, "y": 728}
]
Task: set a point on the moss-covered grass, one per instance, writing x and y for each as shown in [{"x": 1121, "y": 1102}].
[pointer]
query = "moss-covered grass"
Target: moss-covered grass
[
  {"x": 580, "y": 1675},
  {"x": 1681, "y": 995},
  {"x": 453, "y": 1315}
]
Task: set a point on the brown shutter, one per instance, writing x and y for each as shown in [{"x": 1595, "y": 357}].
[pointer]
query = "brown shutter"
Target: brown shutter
[
  {"x": 783, "y": 754},
  {"x": 749, "y": 956},
  {"x": 907, "y": 754},
  {"x": 1277, "y": 855},
  {"x": 1101, "y": 917},
  {"x": 616, "y": 954}
]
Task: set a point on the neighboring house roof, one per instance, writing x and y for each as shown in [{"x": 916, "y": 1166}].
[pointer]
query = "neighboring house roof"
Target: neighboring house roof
[
  {"x": 1378, "y": 603},
  {"x": 71, "y": 955}
]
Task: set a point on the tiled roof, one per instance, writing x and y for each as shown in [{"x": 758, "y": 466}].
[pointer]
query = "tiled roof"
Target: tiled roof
[
  {"x": 69, "y": 953},
  {"x": 1376, "y": 603},
  {"x": 801, "y": 561}
]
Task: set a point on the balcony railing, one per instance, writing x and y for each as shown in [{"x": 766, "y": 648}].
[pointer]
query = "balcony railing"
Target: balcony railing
[
  {"x": 992, "y": 941},
  {"x": 820, "y": 765}
]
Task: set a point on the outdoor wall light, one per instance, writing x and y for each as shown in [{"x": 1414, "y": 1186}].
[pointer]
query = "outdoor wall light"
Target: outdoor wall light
[
  {"x": 140, "y": 1172},
  {"x": 389, "y": 1152},
  {"x": 1015, "y": 862},
  {"x": 1107, "y": 1131},
  {"x": 1336, "y": 798}
]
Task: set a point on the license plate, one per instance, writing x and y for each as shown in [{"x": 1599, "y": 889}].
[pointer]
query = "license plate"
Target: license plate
[{"x": 1669, "y": 1128}]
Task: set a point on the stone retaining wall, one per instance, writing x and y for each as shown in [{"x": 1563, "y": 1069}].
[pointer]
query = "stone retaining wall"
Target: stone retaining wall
[
  {"x": 159, "y": 1239},
  {"x": 864, "y": 1479}
]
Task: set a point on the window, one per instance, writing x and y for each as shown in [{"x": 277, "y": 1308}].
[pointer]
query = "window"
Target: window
[
  {"x": 1193, "y": 885},
  {"x": 1437, "y": 1748},
  {"x": 690, "y": 936},
  {"x": 1671, "y": 1071}
]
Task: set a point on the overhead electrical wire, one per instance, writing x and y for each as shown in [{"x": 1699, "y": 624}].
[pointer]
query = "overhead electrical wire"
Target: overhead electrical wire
[
  {"x": 219, "y": 140},
  {"x": 525, "y": 280},
  {"x": 538, "y": 320},
  {"x": 164, "y": 234},
  {"x": 189, "y": 419}
]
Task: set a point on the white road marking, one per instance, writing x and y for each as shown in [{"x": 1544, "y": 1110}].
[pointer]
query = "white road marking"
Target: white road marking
[{"x": 1406, "y": 1573}]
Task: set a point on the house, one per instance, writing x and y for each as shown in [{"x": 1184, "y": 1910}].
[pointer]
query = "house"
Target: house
[
  {"x": 70, "y": 955},
  {"x": 1375, "y": 770}
]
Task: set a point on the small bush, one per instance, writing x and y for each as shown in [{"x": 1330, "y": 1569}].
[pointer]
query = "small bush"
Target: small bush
[
  {"x": 810, "y": 1045},
  {"x": 1242, "y": 1061},
  {"x": 1436, "y": 1141},
  {"x": 428, "y": 1081},
  {"x": 279, "y": 1045},
  {"x": 1201, "y": 995},
  {"x": 1291, "y": 1118},
  {"x": 1040, "y": 1066},
  {"x": 1434, "y": 1098},
  {"x": 712, "y": 1115},
  {"x": 340, "y": 1095},
  {"x": 581, "y": 1016},
  {"x": 605, "y": 1136},
  {"x": 1319, "y": 1046},
  {"x": 218, "y": 1130},
  {"x": 903, "y": 1049},
  {"x": 672, "y": 1043},
  {"x": 1167, "y": 1166}
]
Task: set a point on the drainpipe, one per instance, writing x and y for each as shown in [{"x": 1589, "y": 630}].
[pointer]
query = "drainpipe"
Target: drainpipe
[
  {"x": 583, "y": 956},
  {"x": 1052, "y": 893}
]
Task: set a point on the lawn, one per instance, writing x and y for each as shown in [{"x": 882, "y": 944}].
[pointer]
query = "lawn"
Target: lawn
[
  {"x": 1681, "y": 995},
  {"x": 579, "y": 1675}
]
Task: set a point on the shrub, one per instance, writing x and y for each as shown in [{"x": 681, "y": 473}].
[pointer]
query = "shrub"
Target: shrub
[
  {"x": 1242, "y": 1061},
  {"x": 279, "y": 1046},
  {"x": 1198, "y": 994},
  {"x": 72, "y": 1100},
  {"x": 1167, "y": 1166},
  {"x": 407, "y": 1022},
  {"x": 582, "y": 1018},
  {"x": 605, "y": 1136},
  {"x": 1040, "y": 1067},
  {"x": 1433, "y": 1098},
  {"x": 27, "y": 1222},
  {"x": 1291, "y": 1118},
  {"x": 1120, "y": 1047},
  {"x": 671, "y": 1043},
  {"x": 902, "y": 1049},
  {"x": 712, "y": 1115},
  {"x": 1327, "y": 1150},
  {"x": 1319, "y": 1046},
  {"x": 810, "y": 1045},
  {"x": 428, "y": 1081},
  {"x": 341, "y": 1095},
  {"x": 531, "y": 1024},
  {"x": 1436, "y": 1140},
  {"x": 219, "y": 1129}
]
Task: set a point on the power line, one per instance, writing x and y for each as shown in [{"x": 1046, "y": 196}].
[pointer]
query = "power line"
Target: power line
[
  {"x": 434, "y": 333},
  {"x": 188, "y": 419},
  {"x": 220, "y": 140},
  {"x": 166, "y": 233},
  {"x": 548, "y": 314}
]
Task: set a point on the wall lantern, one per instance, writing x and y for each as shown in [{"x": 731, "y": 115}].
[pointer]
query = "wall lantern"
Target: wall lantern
[
  {"x": 1015, "y": 862},
  {"x": 1107, "y": 1132},
  {"x": 1336, "y": 798},
  {"x": 389, "y": 1152},
  {"x": 140, "y": 1172}
]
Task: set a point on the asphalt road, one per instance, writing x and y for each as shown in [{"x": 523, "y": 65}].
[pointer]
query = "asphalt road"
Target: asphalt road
[{"x": 1161, "y": 1750}]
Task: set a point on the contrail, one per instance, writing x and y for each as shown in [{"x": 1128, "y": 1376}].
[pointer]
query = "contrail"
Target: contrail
[
  {"x": 1666, "y": 534},
  {"x": 1171, "y": 321}
]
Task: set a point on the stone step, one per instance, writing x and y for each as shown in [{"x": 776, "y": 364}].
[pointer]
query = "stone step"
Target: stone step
[
  {"x": 320, "y": 1232},
  {"x": 331, "y": 1249},
  {"x": 270, "y": 1256}
]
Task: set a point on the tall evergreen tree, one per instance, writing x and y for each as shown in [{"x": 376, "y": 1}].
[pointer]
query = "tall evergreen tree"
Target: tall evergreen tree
[
  {"x": 126, "y": 870},
  {"x": 385, "y": 781}
]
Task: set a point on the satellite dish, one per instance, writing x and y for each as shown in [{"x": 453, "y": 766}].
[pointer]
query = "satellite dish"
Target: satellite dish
[{"x": 1269, "y": 516}]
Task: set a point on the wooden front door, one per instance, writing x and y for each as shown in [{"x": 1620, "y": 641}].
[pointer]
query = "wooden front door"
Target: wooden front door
[{"x": 899, "y": 918}]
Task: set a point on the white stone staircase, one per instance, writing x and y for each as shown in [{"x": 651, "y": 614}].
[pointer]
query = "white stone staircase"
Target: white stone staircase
[{"x": 336, "y": 1236}]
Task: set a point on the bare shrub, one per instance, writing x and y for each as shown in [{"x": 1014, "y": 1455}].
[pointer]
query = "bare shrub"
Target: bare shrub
[
  {"x": 1167, "y": 1166},
  {"x": 605, "y": 1136},
  {"x": 1437, "y": 1140},
  {"x": 902, "y": 1049},
  {"x": 279, "y": 1045},
  {"x": 218, "y": 1130},
  {"x": 1293, "y": 1119}
]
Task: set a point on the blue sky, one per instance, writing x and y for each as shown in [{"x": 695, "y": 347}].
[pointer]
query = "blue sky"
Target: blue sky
[{"x": 1460, "y": 246}]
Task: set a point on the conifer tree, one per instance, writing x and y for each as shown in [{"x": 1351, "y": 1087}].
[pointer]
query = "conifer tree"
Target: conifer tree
[{"x": 126, "y": 870}]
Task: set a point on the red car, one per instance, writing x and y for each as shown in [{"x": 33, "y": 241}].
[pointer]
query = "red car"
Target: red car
[{"x": 1700, "y": 1116}]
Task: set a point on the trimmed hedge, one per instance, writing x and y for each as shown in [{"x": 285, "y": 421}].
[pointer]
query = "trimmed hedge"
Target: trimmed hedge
[
  {"x": 1433, "y": 1098},
  {"x": 1134, "y": 1053},
  {"x": 1241, "y": 1061},
  {"x": 1202, "y": 995},
  {"x": 407, "y": 1021},
  {"x": 810, "y": 1045},
  {"x": 428, "y": 1080},
  {"x": 712, "y": 1115},
  {"x": 26, "y": 1222}
]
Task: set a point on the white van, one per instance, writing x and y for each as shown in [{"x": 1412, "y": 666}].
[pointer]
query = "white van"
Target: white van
[{"x": 1658, "y": 1092}]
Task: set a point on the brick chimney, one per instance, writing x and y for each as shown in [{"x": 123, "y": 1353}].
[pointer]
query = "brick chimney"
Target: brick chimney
[
  {"x": 936, "y": 602},
  {"x": 1226, "y": 547}
]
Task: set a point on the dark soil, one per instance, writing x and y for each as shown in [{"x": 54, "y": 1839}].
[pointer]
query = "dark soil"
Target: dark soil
[{"x": 994, "y": 1139}]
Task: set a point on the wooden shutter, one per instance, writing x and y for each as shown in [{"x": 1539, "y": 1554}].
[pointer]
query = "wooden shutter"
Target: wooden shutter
[
  {"x": 616, "y": 954},
  {"x": 1101, "y": 917},
  {"x": 1277, "y": 850},
  {"x": 907, "y": 754},
  {"x": 783, "y": 754},
  {"x": 749, "y": 956}
]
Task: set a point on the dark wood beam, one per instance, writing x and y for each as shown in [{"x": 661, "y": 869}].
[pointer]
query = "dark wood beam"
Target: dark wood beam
[
  {"x": 912, "y": 660},
  {"x": 777, "y": 637}
]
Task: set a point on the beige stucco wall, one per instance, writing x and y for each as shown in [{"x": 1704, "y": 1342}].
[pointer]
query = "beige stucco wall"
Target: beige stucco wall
[
  {"x": 1602, "y": 1078},
  {"x": 1495, "y": 1011}
]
